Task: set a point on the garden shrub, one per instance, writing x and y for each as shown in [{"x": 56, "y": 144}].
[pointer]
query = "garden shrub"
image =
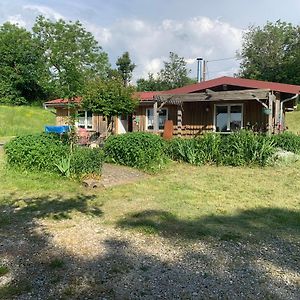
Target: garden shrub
[
  {"x": 86, "y": 161},
  {"x": 288, "y": 141},
  {"x": 196, "y": 151},
  {"x": 36, "y": 152},
  {"x": 136, "y": 149},
  {"x": 236, "y": 149},
  {"x": 51, "y": 153},
  {"x": 246, "y": 148}
]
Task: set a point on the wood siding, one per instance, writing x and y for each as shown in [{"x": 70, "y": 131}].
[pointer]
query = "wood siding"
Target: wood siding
[
  {"x": 61, "y": 116},
  {"x": 99, "y": 122},
  {"x": 198, "y": 117}
]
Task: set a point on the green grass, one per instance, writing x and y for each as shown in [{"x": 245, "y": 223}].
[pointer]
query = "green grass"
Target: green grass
[
  {"x": 10, "y": 291},
  {"x": 56, "y": 264},
  {"x": 3, "y": 270},
  {"x": 293, "y": 121},
  {"x": 183, "y": 201},
  {"x": 19, "y": 120}
]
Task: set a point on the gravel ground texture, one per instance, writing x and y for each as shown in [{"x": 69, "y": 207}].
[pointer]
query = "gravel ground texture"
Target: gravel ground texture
[{"x": 80, "y": 258}]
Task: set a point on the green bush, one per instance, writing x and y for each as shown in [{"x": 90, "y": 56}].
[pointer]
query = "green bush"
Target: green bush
[
  {"x": 288, "y": 141},
  {"x": 37, "y": 152},
  {"x": 137, "y": 149},
  {"x": 236, "y": 149},
  {"x": 51, "y": 153},
  {"x": 246, "y": 148},
  {"x": 86, "y": 161},
  {"x": 196, "y": 151}
]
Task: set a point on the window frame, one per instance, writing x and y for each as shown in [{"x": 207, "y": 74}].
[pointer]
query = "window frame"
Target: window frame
[
  {"x": 151, "y": 108},
  {"x": 228, "y": 105},
  {"x": 85, "y": 120}
]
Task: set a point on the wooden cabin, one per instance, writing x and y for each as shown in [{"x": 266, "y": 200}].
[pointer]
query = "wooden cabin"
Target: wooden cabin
[{"x": 222, "y": 105}]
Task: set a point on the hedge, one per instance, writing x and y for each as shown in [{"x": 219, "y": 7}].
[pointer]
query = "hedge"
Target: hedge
[
  {"x": 136, "y": 149},
  {"x": 51, "y": 153}
]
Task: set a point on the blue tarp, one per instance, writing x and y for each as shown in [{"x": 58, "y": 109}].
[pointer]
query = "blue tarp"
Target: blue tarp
[{"x": 57, "y": 129}]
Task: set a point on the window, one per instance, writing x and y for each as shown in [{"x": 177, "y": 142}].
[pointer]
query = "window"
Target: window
[
  {"x": 162, "y": 117},
  {"x": 228, "y": 118},
  {"x": 85, "y": 120}
]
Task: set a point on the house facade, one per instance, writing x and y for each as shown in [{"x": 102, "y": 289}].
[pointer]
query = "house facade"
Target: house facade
[{"x": 224, "y": 105}]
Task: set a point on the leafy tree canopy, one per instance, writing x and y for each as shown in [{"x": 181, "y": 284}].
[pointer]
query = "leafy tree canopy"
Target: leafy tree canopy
[
  {"x": 150, "y": 84},
  {"x": 21, "y": 66},
  {"x": 72, "y": 54},
  {"x": 271, "y": 53},
  {"x": 109, "y": 97},
  {"x": 125, "y": 67},
  {"x": 173, "y": 75}
]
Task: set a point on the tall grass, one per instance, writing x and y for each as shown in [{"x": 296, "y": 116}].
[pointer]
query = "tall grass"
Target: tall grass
[
  {"x": 237, "y": 149},
  {"x": 21, "y": 120}
]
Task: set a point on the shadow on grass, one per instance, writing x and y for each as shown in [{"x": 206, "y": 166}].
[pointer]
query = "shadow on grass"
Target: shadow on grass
[
  {"x": 55, "y": 207},
  {"x": 247, "y": 224}
]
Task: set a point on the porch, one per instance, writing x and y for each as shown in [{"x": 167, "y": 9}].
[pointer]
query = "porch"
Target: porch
[{"x": 225, "y": 111}]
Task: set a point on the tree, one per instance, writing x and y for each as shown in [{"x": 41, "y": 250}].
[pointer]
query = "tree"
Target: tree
[
  {"x": 108, "y": 97},
  {"x": 72, "y": 54},
  {"x": 175, "y": 72},
  {"x": 21, "y": 66},
  {"x": 125, "y": 67},
  {"x": 173, "y": 75},
  {"x": 271, "y": 53},
  {"x": 150, "y": 84}
]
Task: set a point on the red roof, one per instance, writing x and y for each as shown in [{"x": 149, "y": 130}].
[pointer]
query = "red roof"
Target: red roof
[
  {"x": 62, "y": 101},
  {"x": 202, "y": 86},
  {"x": 240, "y": 82},
  {"x": 144, "y": 96}
]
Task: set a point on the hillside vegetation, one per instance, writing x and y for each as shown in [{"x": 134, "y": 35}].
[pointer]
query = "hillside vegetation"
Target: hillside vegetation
[
  {"x": 293, "y": 121},
  {"x": 19, "y": 120}
]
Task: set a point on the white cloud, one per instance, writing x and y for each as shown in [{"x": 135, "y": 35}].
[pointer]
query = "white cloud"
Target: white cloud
[
  {"x": 149, "y": 43},
  {"x": 45, "y": 11},
  {"x": 17, "y": 20}
]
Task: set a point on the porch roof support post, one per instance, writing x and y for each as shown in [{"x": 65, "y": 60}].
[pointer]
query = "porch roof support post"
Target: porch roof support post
[
  {"x": 272, "y": 98},
  {"x": 179, "y": 120},
  {"x": 155, "y": 117}
]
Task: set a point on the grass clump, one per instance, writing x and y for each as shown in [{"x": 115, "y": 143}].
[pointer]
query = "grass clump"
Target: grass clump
[
  {"x": 236, "y": 149},
  {"x": 138, "y": 149},
  {"x": 56, "y": 264},
  {"x": 287, "y": 141},
  {"x": 13, "y": 290},
  {"x": 3, "y": 270}
]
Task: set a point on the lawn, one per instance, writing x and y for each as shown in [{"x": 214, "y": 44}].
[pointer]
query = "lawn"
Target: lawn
[
  {"x": 293, "y": 121},
  {"x": 223, "y": 221},
  {"x": 19, "y": 120}
]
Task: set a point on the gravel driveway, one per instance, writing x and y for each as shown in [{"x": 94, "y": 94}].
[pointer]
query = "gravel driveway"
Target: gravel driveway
[{"x": 81, "y": 259}]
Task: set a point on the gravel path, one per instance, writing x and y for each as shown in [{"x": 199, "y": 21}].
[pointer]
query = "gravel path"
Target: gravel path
[
  {"x": 115, "y": 175},
  {"x": 82, "y": 259}
]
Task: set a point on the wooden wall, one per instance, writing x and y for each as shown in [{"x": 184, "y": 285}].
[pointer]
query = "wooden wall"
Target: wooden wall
[
  {"x": 61, "y": 116},
  {"x": 198, "y": 117},
  {"x": 99, "y": 122}
]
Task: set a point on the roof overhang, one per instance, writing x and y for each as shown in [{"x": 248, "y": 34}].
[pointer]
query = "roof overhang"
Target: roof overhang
[{"x": 209, "y": 96}]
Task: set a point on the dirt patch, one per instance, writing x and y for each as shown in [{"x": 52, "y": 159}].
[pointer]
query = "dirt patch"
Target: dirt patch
[{"x": 113, "y": 175}]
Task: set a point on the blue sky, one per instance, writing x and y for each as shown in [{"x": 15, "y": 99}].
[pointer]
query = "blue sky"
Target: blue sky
[{"x": 150, "y": 29}]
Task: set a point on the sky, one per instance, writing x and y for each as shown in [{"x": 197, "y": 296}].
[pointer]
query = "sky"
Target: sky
[{"x": 150, "y": 29}]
